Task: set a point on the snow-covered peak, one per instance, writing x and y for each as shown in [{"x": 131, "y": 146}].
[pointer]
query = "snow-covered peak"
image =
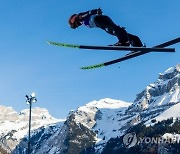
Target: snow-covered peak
[
  {"x": 90, "y": 111},
  {"x": 102, "y": 117},
  {"x": 170, "y": 73},
  {"x": 5, "y": 109},
  {"x": 8, "y": 113},
  {"x": 107, "y": 103},
  {"x": 14, "y": 125},
  {"x": 36, "y": 110},
  {"x": 36, "y": 113},
  {"x": 12, "y": 120},
  {"x": 162, "y": 92},
  {"x": 172, "y": 69}
]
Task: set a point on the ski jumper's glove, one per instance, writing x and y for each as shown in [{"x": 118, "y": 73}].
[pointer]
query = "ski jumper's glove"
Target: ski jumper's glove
[{"x": 95, "y": 11}]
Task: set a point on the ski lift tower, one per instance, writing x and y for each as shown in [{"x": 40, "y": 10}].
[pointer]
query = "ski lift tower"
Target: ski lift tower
[{"x": 29, "y": 100}]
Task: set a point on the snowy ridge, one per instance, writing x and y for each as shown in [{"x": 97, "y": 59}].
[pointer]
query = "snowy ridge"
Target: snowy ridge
[
  {"x": 40, "y": 117},
  {"x": 171, "y": 70},
  {"x": 36, "y": 113},
  {"x": 108, "y": 103},
  {"x": 14, "y": 125},
  {"x": 164, "y": 91}
]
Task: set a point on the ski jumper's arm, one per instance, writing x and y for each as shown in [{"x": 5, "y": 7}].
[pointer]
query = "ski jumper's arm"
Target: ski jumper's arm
[{"x": 83, "y": 15}]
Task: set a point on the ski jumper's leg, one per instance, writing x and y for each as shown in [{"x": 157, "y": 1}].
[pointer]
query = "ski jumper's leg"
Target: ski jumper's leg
[
  {"x": 135, "y": 40},
  {"x": 105, "y": 23}
]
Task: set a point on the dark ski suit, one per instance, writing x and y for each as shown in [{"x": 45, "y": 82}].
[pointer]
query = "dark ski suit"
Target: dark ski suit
[{"x": 104, "y": 22}]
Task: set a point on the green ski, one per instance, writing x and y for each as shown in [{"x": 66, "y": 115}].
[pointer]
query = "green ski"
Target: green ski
[
  {"x": 113, "y": 48},
  {"x": 132, "y": 55}
]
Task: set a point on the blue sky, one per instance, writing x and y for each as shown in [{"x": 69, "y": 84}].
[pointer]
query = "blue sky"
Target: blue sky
[{"x": 28, "y": 63}]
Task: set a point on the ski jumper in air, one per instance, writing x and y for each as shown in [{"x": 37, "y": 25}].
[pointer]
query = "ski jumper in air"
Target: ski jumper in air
[{"x": 95, "y": 18}]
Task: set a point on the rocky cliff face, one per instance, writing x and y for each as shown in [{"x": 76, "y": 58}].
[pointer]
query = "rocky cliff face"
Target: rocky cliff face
[{"x": 166, "y": 90}]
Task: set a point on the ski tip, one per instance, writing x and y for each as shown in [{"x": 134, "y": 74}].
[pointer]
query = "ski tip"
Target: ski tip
[
  {"x": 48, "y": 42},
  {"x": 52, "y": 43},
  {"x": 63, "y": 44},
  {"x": 85, "y": 68},
  {"x": 92, "y": 67}
]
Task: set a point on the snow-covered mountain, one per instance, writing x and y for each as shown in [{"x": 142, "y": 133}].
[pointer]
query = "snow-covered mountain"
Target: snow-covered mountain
[
  {"x": 90, "y": 127},
  {"x": 162, "y": 92},
  {"x": 104, "y": 117},
  {"x": 99, "y": 125},
  {"x": 14, "y": 125},
  {"x": 99, "y": 121},
  {"x": 94, "y": 123}
]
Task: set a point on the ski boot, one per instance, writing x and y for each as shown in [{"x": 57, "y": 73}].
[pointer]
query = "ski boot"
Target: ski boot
[{"x": 126, "y": 44}]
